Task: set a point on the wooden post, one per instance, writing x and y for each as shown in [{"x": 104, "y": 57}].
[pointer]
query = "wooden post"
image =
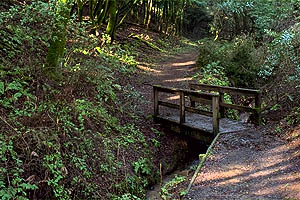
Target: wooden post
[
  {"x": 215, "y": 109},
  {"x": 222, "y": 109},
  {"x": 258, "y": 102},
  {"x": 193, "y": 103},
  {"x": 155, "y": 97},
  {"x": 182, "y": 107}
]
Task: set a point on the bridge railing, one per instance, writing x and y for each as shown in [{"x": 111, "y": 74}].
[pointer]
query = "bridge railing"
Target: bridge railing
[
  {"x": 195, "y": 96},
  {"x": 221, "y": 90}
]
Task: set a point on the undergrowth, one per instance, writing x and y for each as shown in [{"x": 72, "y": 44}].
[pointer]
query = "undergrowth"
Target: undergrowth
[
  {"x": 77, "y": 137},
  {"x": 272, "y": 67},
  {"x": 64, "y": 139}
]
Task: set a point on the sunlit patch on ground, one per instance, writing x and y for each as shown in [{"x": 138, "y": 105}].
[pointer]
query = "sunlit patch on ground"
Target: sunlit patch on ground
[
  {"x": 179, "y": 79},
  {"x": 148, "y": 69},
  {"x": 188, "y": 63}
]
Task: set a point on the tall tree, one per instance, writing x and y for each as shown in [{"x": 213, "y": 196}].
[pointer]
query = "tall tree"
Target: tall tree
[{"x": 112, "y": 12}]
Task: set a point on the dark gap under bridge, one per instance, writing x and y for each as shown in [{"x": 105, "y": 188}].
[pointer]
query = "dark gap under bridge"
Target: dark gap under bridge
[{"x": 204, "y": 117}]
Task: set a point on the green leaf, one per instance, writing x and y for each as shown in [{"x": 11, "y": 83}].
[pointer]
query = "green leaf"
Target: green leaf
[
  {"x": 118, "y": 87},
  {"x": 14, "y": 86},
  {"x": 99, "y": 50},
  {"x": 1, "y": 88},
  {"x": 17, "y": 95}
]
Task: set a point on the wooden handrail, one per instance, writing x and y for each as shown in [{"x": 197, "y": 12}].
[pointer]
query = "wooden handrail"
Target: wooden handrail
[
  {"x": 196, "y": 95},
  {"x": 225, "y": 89},
  {"x": 170, "y": 105},
  {"x": 232, "y": 90},
  {"x": 171, "y": 90}
]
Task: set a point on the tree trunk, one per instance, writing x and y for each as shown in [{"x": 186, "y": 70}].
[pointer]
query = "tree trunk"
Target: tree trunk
[
  {"x": 149, "y": 13},
  {"x": 110, "y": 29}
]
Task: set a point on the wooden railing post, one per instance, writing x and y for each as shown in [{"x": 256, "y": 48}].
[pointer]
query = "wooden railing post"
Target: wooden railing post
[
  {"x": 193, "y": 103},
  {"x": 155, "y": 97},
  {"x": 222, "y": 109},
  {"x": 258, "y": 102},
  {"x": 182, "y": 107},
  {"x": 215, "y": 109}
]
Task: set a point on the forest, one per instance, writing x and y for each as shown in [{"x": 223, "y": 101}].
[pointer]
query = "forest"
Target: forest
[{"x": 76, "y": 117}]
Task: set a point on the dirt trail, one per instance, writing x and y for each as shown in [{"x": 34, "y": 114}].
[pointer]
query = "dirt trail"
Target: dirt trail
[
  {"x": 244, "y": 165},
  {"x": 250, "y": 165},
  {"x": 173, "y": 71}
]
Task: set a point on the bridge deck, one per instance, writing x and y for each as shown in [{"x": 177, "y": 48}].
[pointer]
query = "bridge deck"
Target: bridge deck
[
  {"x": 204, "y": 123},
  {"x": 199, "y": 126}
]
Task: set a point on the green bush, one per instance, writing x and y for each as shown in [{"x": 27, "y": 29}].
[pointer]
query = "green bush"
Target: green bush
[
  {"x": 282, "y": 65},
  {"x": 241, "y": 63},
  {"x": 236, "y": 61},
  {"x": 235, "y": 17}
]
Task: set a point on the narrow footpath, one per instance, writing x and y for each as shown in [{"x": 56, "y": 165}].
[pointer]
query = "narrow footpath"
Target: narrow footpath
[
  {"x": 250, "y": 164},
  {"x": 171, "y": 71}
]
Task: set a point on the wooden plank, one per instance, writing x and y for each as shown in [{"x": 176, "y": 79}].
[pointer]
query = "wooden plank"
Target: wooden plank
[
  {"x": 201, "y": 100},
  {"x": 186, "y": 129},
  {"x": 171, "y": 90},
  {"x": 170, "y": 105},
  {"x": 204, "y": 95},
  {"x": 215, "y": 108},
  {"x": 182, "y": 107},
  {"x": 198, "y": 111},
  {"x": 155, "y": 97},
  {"x": 198, "y": 134},
  {"x": 161, "y": 119},
  {"x": 225, "y": 89},
  {"x": 166, "y": 89},
  {"x": 238, "y": 107}
]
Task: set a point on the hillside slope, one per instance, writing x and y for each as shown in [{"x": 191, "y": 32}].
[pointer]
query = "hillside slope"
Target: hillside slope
[{"x": 83, "y": 135}]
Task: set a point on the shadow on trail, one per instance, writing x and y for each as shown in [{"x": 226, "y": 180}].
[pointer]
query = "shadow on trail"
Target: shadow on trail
[{"x": 258, "y": 174}]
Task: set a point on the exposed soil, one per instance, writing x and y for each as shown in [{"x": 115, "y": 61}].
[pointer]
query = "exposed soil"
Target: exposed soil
[
  {"x": 249, "y": 164},
  {"x": 171, "y": 71}
]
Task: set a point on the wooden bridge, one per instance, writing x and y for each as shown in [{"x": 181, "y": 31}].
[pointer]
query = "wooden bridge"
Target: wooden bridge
[{"x": 206, "y": 119}]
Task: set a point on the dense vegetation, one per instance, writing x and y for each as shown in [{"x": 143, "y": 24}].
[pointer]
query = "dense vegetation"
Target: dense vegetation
[
  {"x": 69, "y": 113},
  {"x": 69, "y": 117},
  {"x": 255, "y": 44}
]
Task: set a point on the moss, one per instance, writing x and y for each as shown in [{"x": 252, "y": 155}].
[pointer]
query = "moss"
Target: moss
[
  {"x": 58, "y": 42},
  {"x": 55, "y": 53}
]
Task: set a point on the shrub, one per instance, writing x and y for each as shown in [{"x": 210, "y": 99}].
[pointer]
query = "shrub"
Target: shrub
[
  {"x": 282, "y": 66},
  {"x": 237, "y": 59}
]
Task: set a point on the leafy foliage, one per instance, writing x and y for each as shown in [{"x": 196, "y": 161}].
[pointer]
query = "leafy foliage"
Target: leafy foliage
[
  {"x": 282, "y": 66},
  {"x": 237, "y": 60},
  {"x": 69, "y": 138},
  {"x": 261, "y": 50},
  {"x": 196, "y": 20},
  {"x": 165, "y": 190},
  {"x": 236, "y": 17}
]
